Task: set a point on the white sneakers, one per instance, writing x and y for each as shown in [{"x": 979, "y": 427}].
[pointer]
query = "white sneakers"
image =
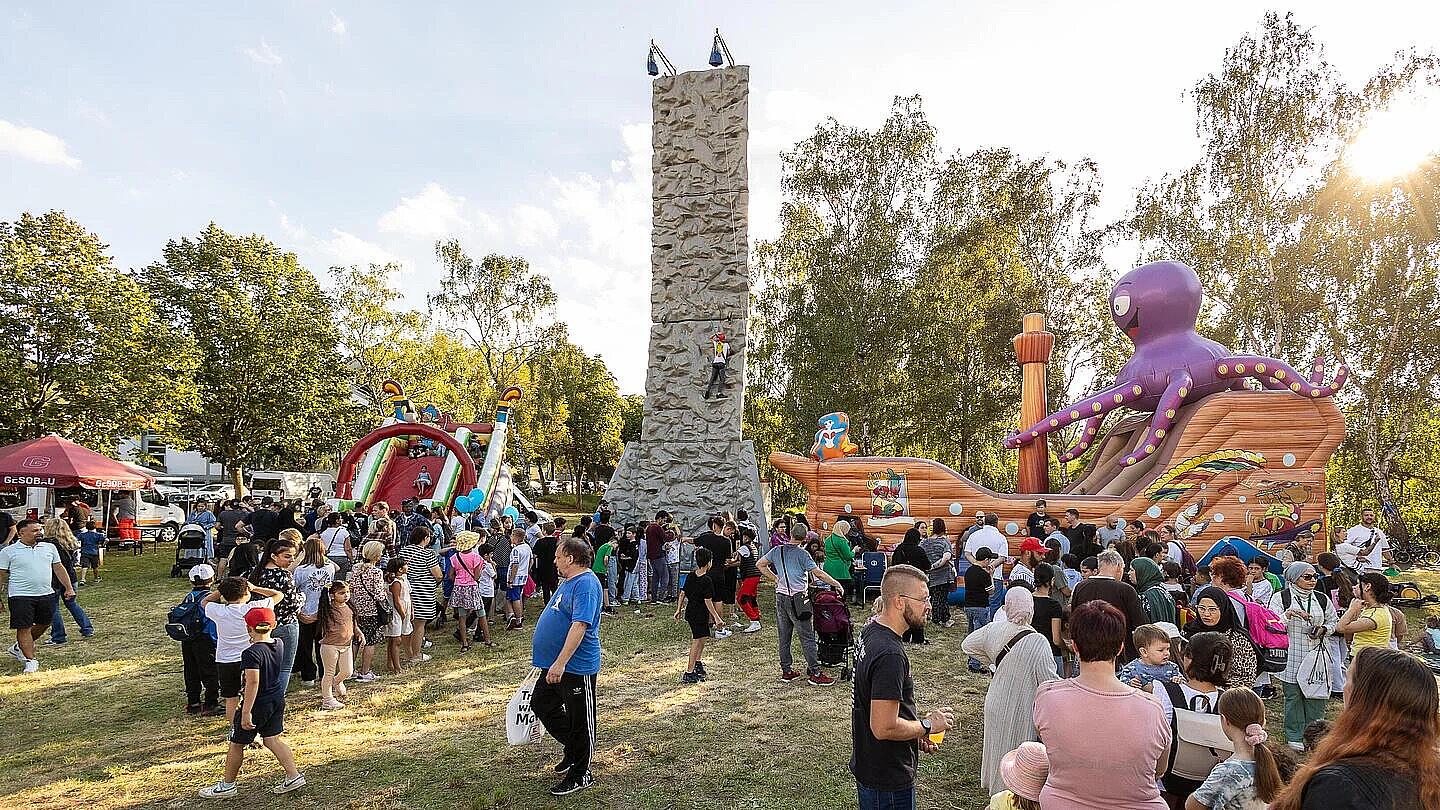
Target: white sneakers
[
  {"x": 31, "y": 666},
  {"x": 722, "y": 633},
  {"x": 15, "y": 652},
  {"x": 753, "y": 627},
  {"x": 220, "y": 790},
  {"x": 367, "y": 677},
  {"x": 331, "y": 704},
  {"x": 225, "y": 790}
]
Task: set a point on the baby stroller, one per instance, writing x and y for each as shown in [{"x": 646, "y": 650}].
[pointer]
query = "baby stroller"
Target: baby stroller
[
  {"x": 189, "y": 549},
  {"x": 837, "y": 637}
]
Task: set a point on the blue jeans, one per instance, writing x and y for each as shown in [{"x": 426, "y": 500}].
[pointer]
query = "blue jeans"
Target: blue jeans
[
  {"x": 612, "y": 577},
  {"x": 290, "y": 634},
  {"x": 57, "y": 627},
  {"x": 659, "y": 580},
  {"x": 977, "y": 617},
  {"x": 872, "y": 799}
]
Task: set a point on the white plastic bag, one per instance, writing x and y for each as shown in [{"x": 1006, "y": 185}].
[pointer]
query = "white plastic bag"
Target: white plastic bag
[
  {"x": 521, "y": 725},
  {"x": 1313, "y": 675}
]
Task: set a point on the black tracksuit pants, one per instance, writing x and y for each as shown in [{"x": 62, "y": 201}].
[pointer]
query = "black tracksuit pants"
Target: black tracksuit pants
[
  {"x": 567, "y": 710},
  {"x": 198, "y": 657}
]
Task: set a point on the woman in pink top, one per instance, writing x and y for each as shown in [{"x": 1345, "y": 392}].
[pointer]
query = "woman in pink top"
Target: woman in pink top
[
  {"x": 467, "y": 568},
  {"x": 1108, "y": 742}
]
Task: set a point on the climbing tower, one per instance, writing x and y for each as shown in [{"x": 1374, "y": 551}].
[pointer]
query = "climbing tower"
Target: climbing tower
[{"x": 690, "y": 459}]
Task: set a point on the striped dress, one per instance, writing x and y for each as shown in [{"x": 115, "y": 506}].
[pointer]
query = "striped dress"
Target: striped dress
[{"x": 420, "y": 571}]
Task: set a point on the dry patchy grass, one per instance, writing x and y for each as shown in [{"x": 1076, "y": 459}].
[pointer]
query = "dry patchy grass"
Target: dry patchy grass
[{"x": 101, "y": 725}]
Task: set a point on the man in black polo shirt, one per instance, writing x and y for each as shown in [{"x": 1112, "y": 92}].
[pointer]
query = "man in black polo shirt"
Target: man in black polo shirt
[
  {"x": 720, "y": 551},
  {"x": 885, "y": 732}
]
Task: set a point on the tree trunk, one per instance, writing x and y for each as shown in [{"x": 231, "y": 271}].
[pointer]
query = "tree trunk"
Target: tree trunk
[
  {"x": 1389, "y": 510},
  {"x": 237, "y": 478},
  {"x": 579, "y": 486}
]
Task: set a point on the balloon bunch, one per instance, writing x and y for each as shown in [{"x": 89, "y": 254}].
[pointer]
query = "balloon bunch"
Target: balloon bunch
[{"x": 471, "y": 501}]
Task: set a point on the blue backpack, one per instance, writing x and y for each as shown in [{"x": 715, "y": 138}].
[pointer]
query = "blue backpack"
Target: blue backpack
[{"x": 186, "y": 621}]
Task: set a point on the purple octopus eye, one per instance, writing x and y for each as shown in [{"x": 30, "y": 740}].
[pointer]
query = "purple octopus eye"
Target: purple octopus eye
[{"x": 1122, "y": 305}]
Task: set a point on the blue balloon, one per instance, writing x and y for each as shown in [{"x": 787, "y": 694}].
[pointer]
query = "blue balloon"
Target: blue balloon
[
  {"x": 477, "y": 494},
  {"x": 465, "y": 504},
  {"x": 512, "y": 512}
]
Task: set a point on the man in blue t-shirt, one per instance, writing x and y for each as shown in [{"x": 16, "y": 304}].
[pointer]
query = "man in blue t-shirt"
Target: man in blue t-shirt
[{"x": 566, "y": 648}]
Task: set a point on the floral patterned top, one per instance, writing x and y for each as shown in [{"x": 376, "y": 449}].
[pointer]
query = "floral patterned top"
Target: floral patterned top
[
  {"x": 279, "y": 579},
  {"x": 366, "y": 584}
]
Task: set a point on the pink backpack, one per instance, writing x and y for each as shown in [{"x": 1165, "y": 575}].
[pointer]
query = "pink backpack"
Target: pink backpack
[{"x": 1269, "y": 634}]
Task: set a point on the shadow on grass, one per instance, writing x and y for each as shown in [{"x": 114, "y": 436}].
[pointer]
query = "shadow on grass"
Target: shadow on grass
[{"x": 109, "y": 729}]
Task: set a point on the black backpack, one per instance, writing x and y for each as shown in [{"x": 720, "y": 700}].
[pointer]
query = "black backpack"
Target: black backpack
[{"x": 186, "y": 621}]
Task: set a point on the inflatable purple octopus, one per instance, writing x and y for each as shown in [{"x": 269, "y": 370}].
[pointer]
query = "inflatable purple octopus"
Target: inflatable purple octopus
[{"x": 1156, "y": 306}]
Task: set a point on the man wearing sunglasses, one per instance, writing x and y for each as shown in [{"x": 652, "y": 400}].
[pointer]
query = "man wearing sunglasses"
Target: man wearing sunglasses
[{"x": 886, "y": 732}]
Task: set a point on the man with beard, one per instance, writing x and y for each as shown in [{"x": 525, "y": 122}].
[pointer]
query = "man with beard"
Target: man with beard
[{"x": 886, "y": 733}]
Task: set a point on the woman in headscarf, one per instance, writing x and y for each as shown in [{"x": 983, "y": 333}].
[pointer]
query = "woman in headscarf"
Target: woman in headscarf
[
  {"x": 909, "y": 552},
  {"x": 1022, "y": 661},
  {"x": 1310, "y": 616},
  {"x": 1216, "y": 614},
  {"x": 1150, "y": 584}
]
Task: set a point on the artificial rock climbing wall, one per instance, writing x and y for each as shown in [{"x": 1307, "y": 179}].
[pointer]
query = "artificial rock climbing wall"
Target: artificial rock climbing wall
[{"x": 690, "y": 459}]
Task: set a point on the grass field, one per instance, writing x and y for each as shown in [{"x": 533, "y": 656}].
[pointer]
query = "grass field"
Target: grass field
[{"x": 101, "y": 725}]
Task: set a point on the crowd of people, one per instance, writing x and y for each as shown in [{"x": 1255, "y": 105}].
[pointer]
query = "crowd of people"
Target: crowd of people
[
  {"x": 1115, "y": 634},
  {"x": 1085, "y": 633}
]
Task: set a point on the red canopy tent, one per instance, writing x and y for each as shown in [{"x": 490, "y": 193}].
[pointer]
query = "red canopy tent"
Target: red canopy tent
[{"x": 55, "y": 463}]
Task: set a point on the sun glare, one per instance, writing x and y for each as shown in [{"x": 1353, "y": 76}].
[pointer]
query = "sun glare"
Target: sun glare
[{"x": 1395, "y": 140}]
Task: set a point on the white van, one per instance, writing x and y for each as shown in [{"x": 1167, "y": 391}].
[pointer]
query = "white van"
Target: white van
[
  {"x": 154, "y": 515},
  {"x": 291, "y": 485}
]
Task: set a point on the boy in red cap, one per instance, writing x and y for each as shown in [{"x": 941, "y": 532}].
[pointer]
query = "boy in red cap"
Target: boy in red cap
[{"x": 262, "y": 708}]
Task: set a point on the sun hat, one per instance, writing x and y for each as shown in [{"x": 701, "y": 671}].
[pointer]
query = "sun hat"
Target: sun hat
[
  {"x": 464, "y": 541},
  {"x": 1025, "y": 770}
]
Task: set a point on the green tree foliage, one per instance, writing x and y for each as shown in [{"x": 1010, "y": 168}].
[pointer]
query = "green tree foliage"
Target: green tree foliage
[
  {"x": 592, "y": 410},
  {"x": 1297, "y": 255},
  {"x": 272, "y": 389},
  {"x": 380, "y": 340},
  {"x": 897, "y": 282},
  {"x": 82, "y": 350},
  {"x": 632, "y": 411},
  {"x": 505, "y": 312}
]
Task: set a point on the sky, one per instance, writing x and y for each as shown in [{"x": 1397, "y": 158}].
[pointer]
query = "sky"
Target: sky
[{"x": 363, "y": 132}]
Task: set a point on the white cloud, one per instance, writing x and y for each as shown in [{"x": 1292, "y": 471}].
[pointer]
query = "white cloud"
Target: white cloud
[
  {"x": 337, "y": 25},
  {"x": 345, "y": 248},
  {"x": 432, "y": 214},
  {"x": 39, "y": 146},
  {"x": 532, "y": 226},
  {"x": 290, "y": 229},
  {"x": 264, "y": 55}
]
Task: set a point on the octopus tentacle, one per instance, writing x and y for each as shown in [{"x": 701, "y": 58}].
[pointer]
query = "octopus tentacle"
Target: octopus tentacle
[
  {"x": 1087, "y": 438},
  {"x": 1097, "y": 405},
  {"x": 1277, "y": 371},
  {"x": 1317, "y": 370},
  {"x": 1179, "y": 387}
]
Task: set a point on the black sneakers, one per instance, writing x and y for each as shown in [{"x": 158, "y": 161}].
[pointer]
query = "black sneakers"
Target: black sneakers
[{"x": 569, "y": 785}]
